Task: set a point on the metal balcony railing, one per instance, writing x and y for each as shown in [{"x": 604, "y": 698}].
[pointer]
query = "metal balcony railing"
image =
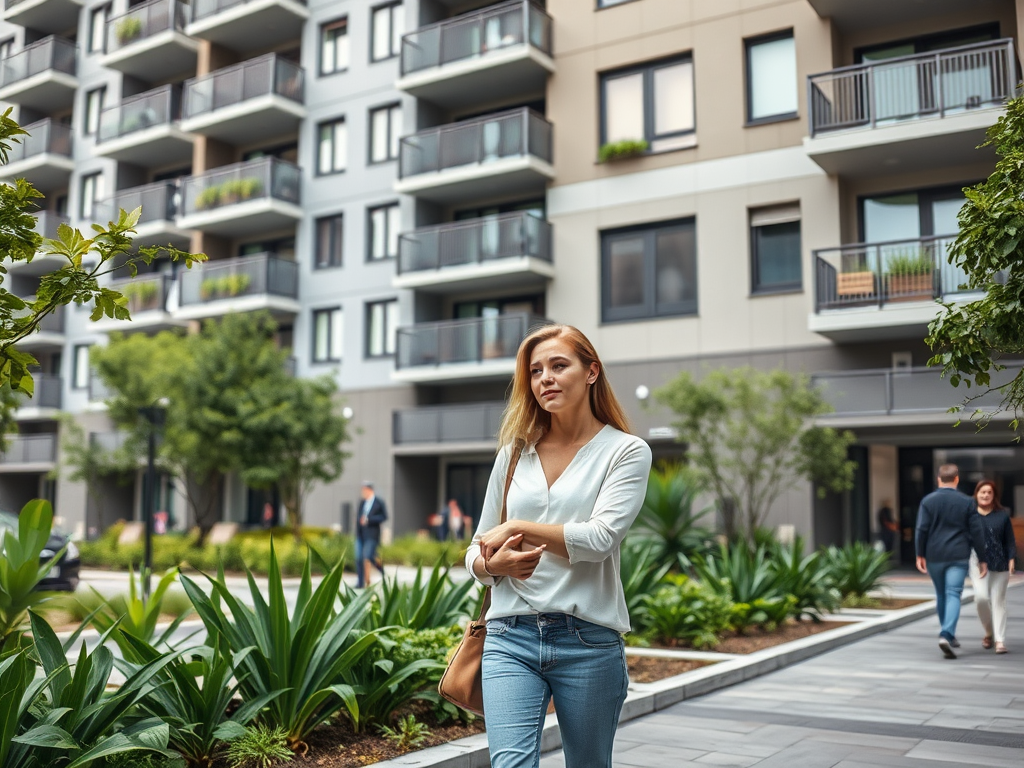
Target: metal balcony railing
[
  {"x": 145, "y": 293},
  {"x": 883, "y": 92},
  {"x": 161, "y": 106},
  {"x": 515, "y": 133},
  {"x": 52, "y": 52},
  {"x": 52, "y": 322},
  {"x": 886, "y": 391},
  {"x": 475, "y": 242},
  {"x": 267, "y": 177},
  {"x": 144, "y": 21},
  {"x": 47, "y": 223},
  {"x": 474, "y": 422},
  {"x": 880, "y": 273},
  {"x": 251, "y": 79},
  {"x": 475, "y": 34},
  {"x": 201, "y": 9},
  {"x": 159, "y": 202},
  {"x": 49, "y": 391},
  {"x": 30, "y": 449},
  {"x": 471, "y": 340},
  {"x": 257, "y": 275},
  {"x": 45, "y": 137}
]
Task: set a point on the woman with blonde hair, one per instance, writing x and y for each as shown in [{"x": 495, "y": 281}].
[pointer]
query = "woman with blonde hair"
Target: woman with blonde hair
[
  {"x": 1001, "y": 555},
  {"x": 557, "y": 614}
]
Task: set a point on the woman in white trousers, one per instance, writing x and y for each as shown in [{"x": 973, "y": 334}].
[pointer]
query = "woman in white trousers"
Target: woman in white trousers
[{"x": 1000, "y": 554}]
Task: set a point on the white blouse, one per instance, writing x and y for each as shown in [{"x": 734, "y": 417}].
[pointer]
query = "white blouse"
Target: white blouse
[{"x": 596, "y": 499}]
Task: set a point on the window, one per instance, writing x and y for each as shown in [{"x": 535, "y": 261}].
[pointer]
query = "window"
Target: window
[
  {"x": 334, "y": 47},
  {"x": 381, "y": 328},
  {"x": 328, "y": 330},
  {"x": 329, "y": 231},
  {"x": 92, "y": 191},
  {"x": 93, "y": 107},
  {"x": 6, "y": 48},
  {"x": 610, "y": 3},
  {"x": 333, "y": 149},
  {"x": 775, "y": 249},
  {"x": 98, "y": 29},
  {"x": 385, "y": 222},
  {"x": 80, "y": 376},
  {"x": 649, "y": 272},
  {"x": 385, "y": 123},
  {"x": 386, "y": 34},
  {"x": 654, "y": 103},
  {"x": 771, "y": 78}
]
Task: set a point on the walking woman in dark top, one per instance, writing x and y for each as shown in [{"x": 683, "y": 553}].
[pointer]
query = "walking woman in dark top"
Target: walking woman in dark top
[{"x": 1000, "y": 555}]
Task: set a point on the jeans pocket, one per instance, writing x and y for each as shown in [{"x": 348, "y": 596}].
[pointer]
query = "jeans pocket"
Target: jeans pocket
[
  {"x": 498, "y": 626},
  {"x": 596, "y": 636}
]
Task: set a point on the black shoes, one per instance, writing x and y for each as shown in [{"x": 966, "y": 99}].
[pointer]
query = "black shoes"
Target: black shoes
[
  {"x": 955, "y": 643},
  {"x": 947, "y": 648}
]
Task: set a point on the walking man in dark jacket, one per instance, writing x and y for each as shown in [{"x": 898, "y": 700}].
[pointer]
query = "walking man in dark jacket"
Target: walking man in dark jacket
[
  {"x": 371, "y": 514},
  {"x": 947, "y": 530}
]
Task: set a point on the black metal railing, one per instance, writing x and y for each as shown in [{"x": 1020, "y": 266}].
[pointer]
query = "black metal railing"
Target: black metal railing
[
  {"x": 476, "y": 241},
  {"x": 463, "y": 423},
  {"x": 262, "y": 274},
  {"x": 267, "y": 177},
  {"x": 161, "y": 106},
  {"x": 881, "y": 92},
  {"x": 45, "y": 137},
  {"x": 144, "y": 21},
  {"x": 251, "y": 79},
  {"x": 471, "y": 340},
  {"x": 48, "y": 222},
  {"x": 159, "y": 202},
  {"x": 52, "y": 52},
  {"x": 49, "y": 392},
  {"x": 201, "y": 9},
  {"x": 145, "y": 293},
  {"x": 474, "y": 34},
  {"x": 880, "y": 273},
  {"x": 30, "y": 449},
  {"x": 516, "y": 133}
]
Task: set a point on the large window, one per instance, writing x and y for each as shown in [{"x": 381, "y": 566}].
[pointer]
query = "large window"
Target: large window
[
  {"x": 91, "y": 192},
  {"x": 649, "y": 271},
  {"x": 332, "y": 151},
  {"x": 775, "y": 249},
  {"x": 328, "y": 330},
  {"x": 384, "y": 223},
  {"x": 329, "y": 238},
  {"x": 381, "y": 328},
  {"x": 653, "y": 102},
  {"x": 80, "y": 375},
  {"x": 334, "y": 46},
  {"x": 98, "y": 29},
  {"x": 94, "y": 101},
  {"x": 387, "y": 24},
  {"x": 610, "y": 3},
  {"x": 385, "y": 124},
  {"x": 6, "y": 48},
  {"x": 771, "y": 77}
]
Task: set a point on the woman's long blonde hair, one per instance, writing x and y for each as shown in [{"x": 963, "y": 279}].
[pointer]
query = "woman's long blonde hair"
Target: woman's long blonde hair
[{"x": 524, "y": 421}]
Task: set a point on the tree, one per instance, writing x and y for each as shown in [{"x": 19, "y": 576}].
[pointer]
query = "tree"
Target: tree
[
  {"x": 751, "y": 436},
  {"x": 969, "y": 340}
]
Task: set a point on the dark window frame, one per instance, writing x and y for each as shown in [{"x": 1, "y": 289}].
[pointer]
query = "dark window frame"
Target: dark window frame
[
  {"x": 324, "y": 28},
  {"x": 368, "y": 311},
  {"x": 370, "y": 258},
  {"x": 81, "y": 194},
  {"x": 749, "y": 43},
  {"x": 101, "y": 11},
  {"x": 933, "y": 41},
  {"x": 102, "y": 90},
  {"x": 391, "y": 30},
  {"x": 599, "y": 6},
  {"x": 336, "y": 222},
  {"x": 775, "y": 288},
  {"x": 75, "y": 384},
  {"x": 329, "y": 311},
  {"x": 369, "y": 132},
  {"x": 925, "y": 196},
  {"x": 319, "y": 128}
]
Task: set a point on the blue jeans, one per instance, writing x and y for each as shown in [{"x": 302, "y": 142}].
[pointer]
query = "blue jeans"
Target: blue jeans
[
  {"x": 948, "y": 579},
  {"x": 529, "y": 659},
  {"x": 366, "y": 550}
]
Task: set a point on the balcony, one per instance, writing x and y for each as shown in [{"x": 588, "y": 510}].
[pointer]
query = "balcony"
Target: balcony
[
  {"x": 47, "y": 223},
  {"x": 46, "y": 16},
  {"x": 497, "y": 53},
  {"x": 883, "y": 290},
  {"x": 43, "y": 157},
  {"x": 147, "y": 302},
  {"x": 246, "y": 284},
  {"x": 156, "y": 226},
  {"x": 46, "y": 402},
  {"x": 29, "y": 452},
  {"x": 474, "y": 348},
  {"x": 482, "y": 254},
  {"x": 462, "y": 428},
  {"x": 248, "y": 25},
  {"x": 109, "y": 441},
  {"x": 143, "y": 130},
  {"x": 867, "y": 14},
  {"x": 41, "y": 76},
  {"x": 508, "y": 153},
  {"x": 248, "y": 103},
  {"x": 49, "y": 334},
  {"x": 149, "y": 42},
  {"x": 900, "y": 114},
  {"x": 243, "y": 199}
]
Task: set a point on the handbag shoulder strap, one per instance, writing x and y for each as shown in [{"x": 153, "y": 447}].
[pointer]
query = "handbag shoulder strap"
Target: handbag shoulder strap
[{"x": 512, "y": 464}]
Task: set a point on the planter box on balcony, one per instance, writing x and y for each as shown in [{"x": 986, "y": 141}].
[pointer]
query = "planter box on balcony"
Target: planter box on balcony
[
  {"x": 909, "y": 287},
  {"x": 855, "y": 283}
]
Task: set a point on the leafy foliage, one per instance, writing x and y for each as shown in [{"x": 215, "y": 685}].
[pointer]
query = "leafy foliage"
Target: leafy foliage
[
  {"x": 747, "y": 578},
  {"x": 135, "y": 617},
  {"x": 667, "y": 519},
  {"x": 407, "y": 734},
  {"x": 21, "y": 571},
  {"x": 808, "y": 579},
  {"x": 685, "y": 610},
  {"x": 260, "y": 747},
  {"x": 641, "y": 572},
  {"x": 621, "y": 150},
  {"x": 857, "y": 569},
  {"x": 437, "y": 601}
]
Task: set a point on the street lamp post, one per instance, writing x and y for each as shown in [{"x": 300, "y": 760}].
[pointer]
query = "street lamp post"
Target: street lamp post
[{"x": 154, "y": 416}]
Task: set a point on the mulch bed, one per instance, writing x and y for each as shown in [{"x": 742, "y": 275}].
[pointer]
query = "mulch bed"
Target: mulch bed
[
  {"x": 645, "y": 669},
  {"x": 896, "y": 603}
]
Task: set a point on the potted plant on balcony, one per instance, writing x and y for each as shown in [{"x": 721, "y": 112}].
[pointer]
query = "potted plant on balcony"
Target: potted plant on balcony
[
  {"x": 128, "y": 29},
  {"x": 141, "y": 296},
  {"x": 909, "y": 274},
  {"x": 622, "y": 150},
  {"x": 249, "y": 188},
  {"x": 209, "y": 198}
]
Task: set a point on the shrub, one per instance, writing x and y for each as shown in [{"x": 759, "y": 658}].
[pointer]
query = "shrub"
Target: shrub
[
  {"x": 747, "y": 578},
  {"x": 437, "y": 602},
  {"x": 685, "y": 611},
  {"x": 621, "y": 150},
  {"x": 414, "y": 551},
  {"x": 128, "y": 29},
  {"x": 667, "y": 519},
  {"x": 807, "y": 578},
  {"x": 857, "y": 568},
  {"x": 260, "y": 747},
  {"x": 640, "y": 573},
  {"x": 408, "y": 734},
  {"x": 135, "y": 616}
]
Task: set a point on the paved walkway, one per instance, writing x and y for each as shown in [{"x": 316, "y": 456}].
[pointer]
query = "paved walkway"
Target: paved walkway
[{"x": 889, "y": 701}]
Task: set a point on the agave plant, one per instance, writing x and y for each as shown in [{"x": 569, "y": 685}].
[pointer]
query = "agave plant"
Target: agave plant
[
  {"x": 667, "y": 518},
  {"x": 135, "y": 616},
  {"x": 808, "y": 579},
  {"x": 857, "y": 568},
  {"x": 433, "y": 603},
  {"x": 640, "y": 573}
]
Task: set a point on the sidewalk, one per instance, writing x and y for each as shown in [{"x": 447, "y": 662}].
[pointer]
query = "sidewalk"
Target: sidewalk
[{"x": 891, "y": 700}]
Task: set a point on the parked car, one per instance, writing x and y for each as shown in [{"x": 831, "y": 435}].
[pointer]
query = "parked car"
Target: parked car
[{"x": 63, "y": 577}]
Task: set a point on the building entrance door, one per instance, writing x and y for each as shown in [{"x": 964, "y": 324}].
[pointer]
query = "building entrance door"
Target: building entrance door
[{"x": 467, "y": 484}]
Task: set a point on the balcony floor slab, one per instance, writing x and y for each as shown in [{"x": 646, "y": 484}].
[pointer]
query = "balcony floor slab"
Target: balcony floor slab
[
  {"x": 150, "y": 320},
  {"x": 43, "y": 340},
  {"x": 159, "y": 145},
  {"x": 36, "y": 413},
  {"x": 502, "y": 368},
  {"x": 152, "y": 233},
  {"x": 156, "y": 58},
  {"x": 248, "y": 218},
  {"x": 480, "y": 181},
  {"x": 250, "y": 121},
  {"x": 46, "y": 171},
  {"x": 46, "y": 16},
  {"x": 252, "y": 25},
  {"x": 519, "y": 271},
  {"x": 28, "y": 467},
  {"x": 40, "y": 265},
  {"x": 896, "y": 320},
  {"x": 276, "y": 305},
  {"x": 49, "y": 91},
  {"x": 444, "y": 449}
]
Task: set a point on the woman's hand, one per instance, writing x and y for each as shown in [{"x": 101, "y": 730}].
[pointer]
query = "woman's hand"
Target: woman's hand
[
  {"x": 509, "y": 561},
  {"x": 493, "y": 540}
]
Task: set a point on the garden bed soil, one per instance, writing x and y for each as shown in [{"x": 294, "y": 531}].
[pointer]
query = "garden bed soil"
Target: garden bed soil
[
  {"x": 758, "y": 639},
  {"x": 897, "y": 603},
  {"x": 645, "y": 669}
]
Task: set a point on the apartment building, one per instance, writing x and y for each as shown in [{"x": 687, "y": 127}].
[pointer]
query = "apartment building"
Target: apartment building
[{"x": 410, "y": 186}]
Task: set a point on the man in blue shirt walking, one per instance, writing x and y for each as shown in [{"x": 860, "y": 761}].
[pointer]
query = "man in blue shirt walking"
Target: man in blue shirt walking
[{"x": 947, "y": 529}]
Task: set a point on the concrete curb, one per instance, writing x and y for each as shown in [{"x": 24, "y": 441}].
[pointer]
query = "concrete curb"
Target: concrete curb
[{"x": 645, "y": 698}]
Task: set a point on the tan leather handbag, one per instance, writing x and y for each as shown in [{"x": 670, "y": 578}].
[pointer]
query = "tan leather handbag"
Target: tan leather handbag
[{"x": 462, "y": 681}]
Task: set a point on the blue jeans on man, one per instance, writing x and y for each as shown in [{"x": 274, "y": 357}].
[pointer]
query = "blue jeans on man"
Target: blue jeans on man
[{"x": 948, "y": 579}]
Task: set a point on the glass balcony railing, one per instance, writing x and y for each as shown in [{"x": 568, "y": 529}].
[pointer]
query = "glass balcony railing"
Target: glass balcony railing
[
  {"x": 30, "y": 449},
  {"x": 517, "y": 133},
  {"x": 50, "y": 53},
  {"x": 928, "y": 84},
  {"x": 45, "y": 137},
  {"x": 202, "y": 9},
  {"x": 471, "y": 340},
  {"x": 257, "y": 77},
  {"x": 144, "y": 21},
  {"x": 498, "y": 27},
  {"x": 262, "y": 274},
  {"x": 161, "y": 106},
  {"x": 476, "y": 241},
  {"x": 266, "y": 178},
  {"x": 472, "y": 422},
  {"x": 158, "y": 201},
  {"x": 145, "y": 293},
  {"x": 49, "y": 391},
  {"x": 47, "y": 223}
]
